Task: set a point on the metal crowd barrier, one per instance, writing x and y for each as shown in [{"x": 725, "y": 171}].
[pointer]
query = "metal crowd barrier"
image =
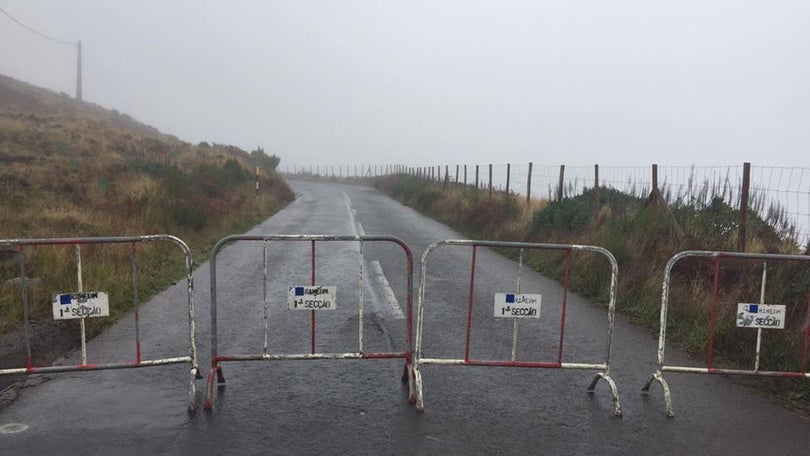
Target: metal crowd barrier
[
  {"x": 745, "y": 319},
  {"x": 81, "y": 305},
  {"x": 218, "y": 358},
  {"x": 602, "y": 368}
]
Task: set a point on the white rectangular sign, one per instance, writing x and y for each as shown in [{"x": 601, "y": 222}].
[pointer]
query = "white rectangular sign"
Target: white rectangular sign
[
  {"x": 514, "y": 305},
  {"x": 763, "y": 316},
  {"x": 312, "y": 298},
  {"x": 68, "y": 306}
]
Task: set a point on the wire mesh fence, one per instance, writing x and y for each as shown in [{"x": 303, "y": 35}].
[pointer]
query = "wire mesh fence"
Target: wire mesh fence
[{"x": 778, "y": 195}]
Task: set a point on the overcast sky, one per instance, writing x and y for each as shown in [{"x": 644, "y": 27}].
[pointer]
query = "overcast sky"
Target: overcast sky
[{"x": 624, "y": 82}]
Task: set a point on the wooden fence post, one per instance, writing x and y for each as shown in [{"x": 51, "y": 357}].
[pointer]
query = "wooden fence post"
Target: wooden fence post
[
  {"x": 490, "y": 181},
  {"x": 746, "y": 186},
  {"x": 456, "y": 175},
  {"x": 596, "y": 186},
  {"x": 529, "y": 190},
  {"x": 446, "y": 177},
  {"x": 476, "y": 177},
  {"x": 465, "y": 175},
  {"x": 560, "y": 186},
  {"x": 508, "y": 172}
]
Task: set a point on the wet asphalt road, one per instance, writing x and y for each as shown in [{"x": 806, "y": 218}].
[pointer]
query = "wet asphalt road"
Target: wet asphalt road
[{"x": 360, "y": 406}]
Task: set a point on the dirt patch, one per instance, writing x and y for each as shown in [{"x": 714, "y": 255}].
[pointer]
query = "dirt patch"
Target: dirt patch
[{"x": 50, "y": 341}]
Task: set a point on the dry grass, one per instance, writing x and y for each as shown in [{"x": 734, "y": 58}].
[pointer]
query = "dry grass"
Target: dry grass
[{"x": 70, "y": 169}]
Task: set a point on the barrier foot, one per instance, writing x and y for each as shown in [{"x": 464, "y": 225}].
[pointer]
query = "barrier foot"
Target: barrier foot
[
  {"x": 409, "y": 378},
  {"x": 208, "y": 403},
  {"x": 192, "y": 390},
  {"x": 617, "y": 407},
  {"x": 659, "y": 377},
  {"x": 420, "y": 399}
]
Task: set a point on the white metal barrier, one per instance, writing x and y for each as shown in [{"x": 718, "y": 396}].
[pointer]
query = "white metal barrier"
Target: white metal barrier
[
  {"x": 217, "y": 358},
  {"x": 747, "y": 316},
  {"x": 603, "y": 369},
  {"x": 81, "y": 304}
]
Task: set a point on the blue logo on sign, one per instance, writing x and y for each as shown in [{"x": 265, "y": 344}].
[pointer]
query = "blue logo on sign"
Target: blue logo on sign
[
  {"x": 510, "y": 299},
  {"x": 753, "y": 308},
  {"x": 64, "y": 299},
  {"x": 299, "y": 291}
]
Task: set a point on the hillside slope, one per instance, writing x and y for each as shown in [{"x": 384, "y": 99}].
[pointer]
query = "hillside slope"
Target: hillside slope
[{"x": 74, "y": 169}]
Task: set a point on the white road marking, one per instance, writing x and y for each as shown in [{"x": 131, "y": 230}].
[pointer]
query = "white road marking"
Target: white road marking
[
  {"x": 390, "y": 299},
  {"x": 13, "y": 428}
]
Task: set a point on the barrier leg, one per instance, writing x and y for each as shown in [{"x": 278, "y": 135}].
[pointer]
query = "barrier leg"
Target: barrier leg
[
  {"x": 192, "y": 389},
  {"x": 208, "y": 404},
  {"x": 617, "y": 408},
  {"x": 411, "y": 389},
  {"x": 420, "y": 399},
  {"x": 659, "y": 377}
]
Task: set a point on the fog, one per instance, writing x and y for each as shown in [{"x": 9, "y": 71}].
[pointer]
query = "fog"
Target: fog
[{"x": 628, "y": 82}]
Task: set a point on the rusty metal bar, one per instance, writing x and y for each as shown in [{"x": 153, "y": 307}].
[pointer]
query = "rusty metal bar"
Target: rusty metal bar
[
  {"x": 761, "y": 301},
  {"x": 136, "y": 301},
  {"x": 517, "y": 320},
  {"x": 806, "y": 333},
  {"x": 566, "y": 282},
  {"x": 29, "y": 360},
  {"x": 312, "y": 312},
  {"x": 715, "y": 292},
  {"x": 470, "y": 304},
  {"x": 80, "y": 289},
  {"x": 264, "y": 295}
]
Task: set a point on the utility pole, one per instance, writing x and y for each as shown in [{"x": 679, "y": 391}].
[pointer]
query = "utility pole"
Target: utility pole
[{"x": 79, "y": 70}]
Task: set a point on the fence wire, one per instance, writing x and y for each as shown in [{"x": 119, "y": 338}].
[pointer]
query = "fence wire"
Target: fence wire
[{"x": 778, "y": 195}]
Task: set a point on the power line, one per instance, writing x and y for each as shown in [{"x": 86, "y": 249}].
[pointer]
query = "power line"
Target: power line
[{"x": 34, "y": 31}]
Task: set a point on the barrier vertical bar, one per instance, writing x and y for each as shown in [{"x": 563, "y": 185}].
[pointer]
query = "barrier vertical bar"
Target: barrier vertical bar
[
  {"x": 517, "y": 320},
  {"x": 761, "y": 301},
  {"x": 566, "y": 282},
  {"x": 264, "y": 292},
  {"x": 136, "y": 302},
  {"x": 806, "y": 334},
  {"x": 470, "y": 304},
  {"x": 709, "y": 359},
  {"x": 360, "y": 304},
  {"x": 312, "y": 312},
  {"x": 29, "y": 360},
  {"x": 81, "y": 289}
]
